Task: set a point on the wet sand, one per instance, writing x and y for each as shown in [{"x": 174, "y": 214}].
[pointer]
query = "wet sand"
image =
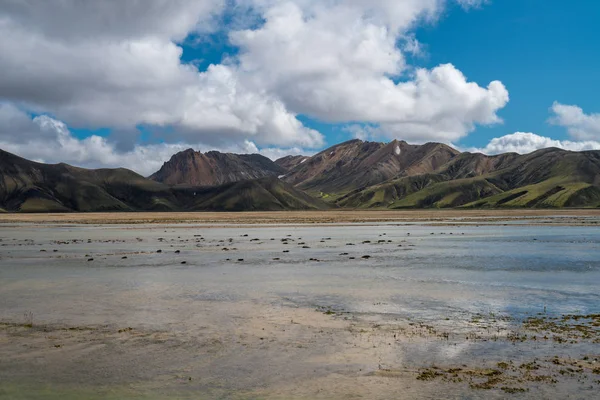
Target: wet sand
[
  {"x": 339, "y": 311},
  {"x": 563, "y": 217}
]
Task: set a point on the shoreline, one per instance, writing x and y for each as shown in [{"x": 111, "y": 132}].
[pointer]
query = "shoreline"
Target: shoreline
[{"x": 558, "y": 216}]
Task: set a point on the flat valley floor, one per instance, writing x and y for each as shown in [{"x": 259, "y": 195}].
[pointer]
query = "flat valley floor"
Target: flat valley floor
[{"x": 334, "y": 305}]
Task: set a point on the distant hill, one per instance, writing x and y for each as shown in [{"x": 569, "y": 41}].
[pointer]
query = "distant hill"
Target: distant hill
[
  {"x": 546, "y": 178},
  {"x": 356, "y": 164},
  {"x": 353, "y": 174},
  {"x": 190, "y": 167},
  {"x": 27, "y": 186}
]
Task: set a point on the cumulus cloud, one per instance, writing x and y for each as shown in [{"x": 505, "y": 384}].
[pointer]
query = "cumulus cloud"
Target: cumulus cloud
[
  {"x": 525, "y": 142},
  {"x": 76, "y": 21},
  {"x": 96, "y": 64},
  {"x": 579, "y": 125},
  {"x": 584, "y": 130},
  {"x": 337, "y": 64},
  {"x": 118, "y": 65},
  {"x": 48, "y": 140}
]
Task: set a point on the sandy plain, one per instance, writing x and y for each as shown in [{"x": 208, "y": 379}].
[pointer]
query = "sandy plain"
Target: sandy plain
[
  {"x": 469, "y": 305},
  {"x": 564, "y": 216}
]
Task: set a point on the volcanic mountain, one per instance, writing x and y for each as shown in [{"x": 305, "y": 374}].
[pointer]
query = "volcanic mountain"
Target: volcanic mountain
[
  {"x": 214, "y": 168},
  {"x": 28, "y": 186},
  {"x": 353, "y": 174},
  {"x": 545, "y": 178},
  {"x": 356, "y": 164}
]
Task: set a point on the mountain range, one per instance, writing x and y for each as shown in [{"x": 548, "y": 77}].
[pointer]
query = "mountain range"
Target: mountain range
[{"x": 354, "y": 174}]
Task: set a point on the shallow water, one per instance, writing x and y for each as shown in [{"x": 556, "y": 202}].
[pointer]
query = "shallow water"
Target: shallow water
[{"x": 442, "y": 275}]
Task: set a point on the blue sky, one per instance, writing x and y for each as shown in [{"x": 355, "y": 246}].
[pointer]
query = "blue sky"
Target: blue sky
[{"x": 129, "y": 84}]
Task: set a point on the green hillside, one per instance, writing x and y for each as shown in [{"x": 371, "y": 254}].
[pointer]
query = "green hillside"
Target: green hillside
[{"x": 27, "y": 186}]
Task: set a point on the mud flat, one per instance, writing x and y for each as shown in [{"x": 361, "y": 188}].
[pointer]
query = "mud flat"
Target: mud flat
[
  {"x": 482, "y": 307},
  {"x": 529, "y": 216}
]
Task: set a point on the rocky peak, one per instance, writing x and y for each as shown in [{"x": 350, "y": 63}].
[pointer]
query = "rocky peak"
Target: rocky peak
[{"x": 214, "y": 168}]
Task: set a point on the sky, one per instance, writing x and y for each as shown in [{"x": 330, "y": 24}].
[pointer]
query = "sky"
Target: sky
[{"x": 129, "y": 83}]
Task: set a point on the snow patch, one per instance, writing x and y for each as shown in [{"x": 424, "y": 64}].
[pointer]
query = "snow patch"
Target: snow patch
[
  {"x": 281, "y": 177},
  {"x": 397, "y": 150},
  {"x": 303, "y": 161}
]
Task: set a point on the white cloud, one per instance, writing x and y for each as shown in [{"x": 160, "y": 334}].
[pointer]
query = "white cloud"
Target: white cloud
[
  {"x": 362, "y": 132},
  {"x": 117, "y": 64},
  {"x": 583, "y": 128},
  {"x": 49, "y": 140},
  {"x": 580, "y": 126},
  {"x": 472, "y": 3},
  {"x": 82, "y": 20},
  {"x": 97, "y": 64},
  {"x": 524, "y": 143},
  {"x": 336, "y": 61}
]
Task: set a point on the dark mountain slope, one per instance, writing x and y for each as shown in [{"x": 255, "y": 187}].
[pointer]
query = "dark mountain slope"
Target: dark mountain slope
[
  {"x": 256, "y": 195},
  {"x": 545, "y": 178},
  {"x": 354, "y": 174},
  {"x": 31, "y": 186},
  {"x": 28, "y": 186}
]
